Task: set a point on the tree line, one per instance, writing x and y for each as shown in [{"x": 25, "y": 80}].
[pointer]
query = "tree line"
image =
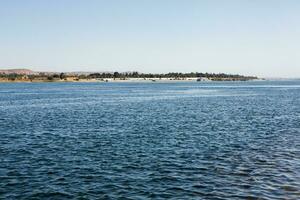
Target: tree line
[
  {"x": 124, "y": 75},
  {"x": 166, "y": 75}
]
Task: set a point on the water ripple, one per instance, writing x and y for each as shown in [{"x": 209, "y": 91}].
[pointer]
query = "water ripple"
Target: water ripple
[{"x": 150, "y": 141}]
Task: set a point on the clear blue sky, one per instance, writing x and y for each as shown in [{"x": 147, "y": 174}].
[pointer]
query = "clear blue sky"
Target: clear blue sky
[{"x": 252, "y": 37}]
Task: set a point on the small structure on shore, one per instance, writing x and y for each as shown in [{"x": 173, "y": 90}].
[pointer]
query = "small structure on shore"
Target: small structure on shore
[{"x": 203, "y": 79}]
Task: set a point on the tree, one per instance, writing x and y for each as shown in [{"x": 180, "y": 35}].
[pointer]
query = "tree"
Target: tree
[
  {"x": 62, "y": 76},
  {"x": 56, "y": 76},
  {"x": 116, "y": 75}
]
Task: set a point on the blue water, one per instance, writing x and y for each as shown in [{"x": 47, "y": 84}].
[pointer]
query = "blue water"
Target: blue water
[{"x": 233, "y": 140}]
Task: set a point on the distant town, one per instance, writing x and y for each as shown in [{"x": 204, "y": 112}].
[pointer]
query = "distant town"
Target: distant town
[{"x": 26, "y": 75}]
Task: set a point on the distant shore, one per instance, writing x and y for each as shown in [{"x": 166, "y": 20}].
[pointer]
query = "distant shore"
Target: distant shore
[
  {"x": 132, "y": 80},
  {"x": 25, "y": 75}
]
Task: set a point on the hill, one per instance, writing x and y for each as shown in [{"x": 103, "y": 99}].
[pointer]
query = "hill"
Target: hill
[{"x": 17, "y": 71}]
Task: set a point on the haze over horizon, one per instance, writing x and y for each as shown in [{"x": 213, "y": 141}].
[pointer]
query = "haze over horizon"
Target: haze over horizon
[{"x": 259, "y": 38}]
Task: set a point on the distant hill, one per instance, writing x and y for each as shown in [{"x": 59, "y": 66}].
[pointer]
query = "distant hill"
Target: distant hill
[{"x": 17, "y": 71}]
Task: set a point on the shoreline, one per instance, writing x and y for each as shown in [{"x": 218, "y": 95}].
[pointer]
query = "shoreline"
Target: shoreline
[{"x": 124, "y": 81}]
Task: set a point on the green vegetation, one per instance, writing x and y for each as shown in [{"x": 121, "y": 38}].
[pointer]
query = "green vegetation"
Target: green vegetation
[
  {"x": 48, "y": 77},
  {"x": 168, "y": 75}
]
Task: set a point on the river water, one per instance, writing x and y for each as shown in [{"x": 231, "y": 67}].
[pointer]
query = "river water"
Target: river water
[{"x": 196, "y": 140}]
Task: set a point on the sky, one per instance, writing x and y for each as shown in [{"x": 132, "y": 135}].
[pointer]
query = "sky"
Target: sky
[{"x": 249, "y": 37}]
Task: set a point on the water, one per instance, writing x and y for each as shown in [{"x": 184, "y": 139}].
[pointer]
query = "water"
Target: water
[{"x": 235, "y": 140}]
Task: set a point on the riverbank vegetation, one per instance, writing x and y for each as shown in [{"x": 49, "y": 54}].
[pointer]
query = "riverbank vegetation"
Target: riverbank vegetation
[{"x": 105, "y": 76}]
